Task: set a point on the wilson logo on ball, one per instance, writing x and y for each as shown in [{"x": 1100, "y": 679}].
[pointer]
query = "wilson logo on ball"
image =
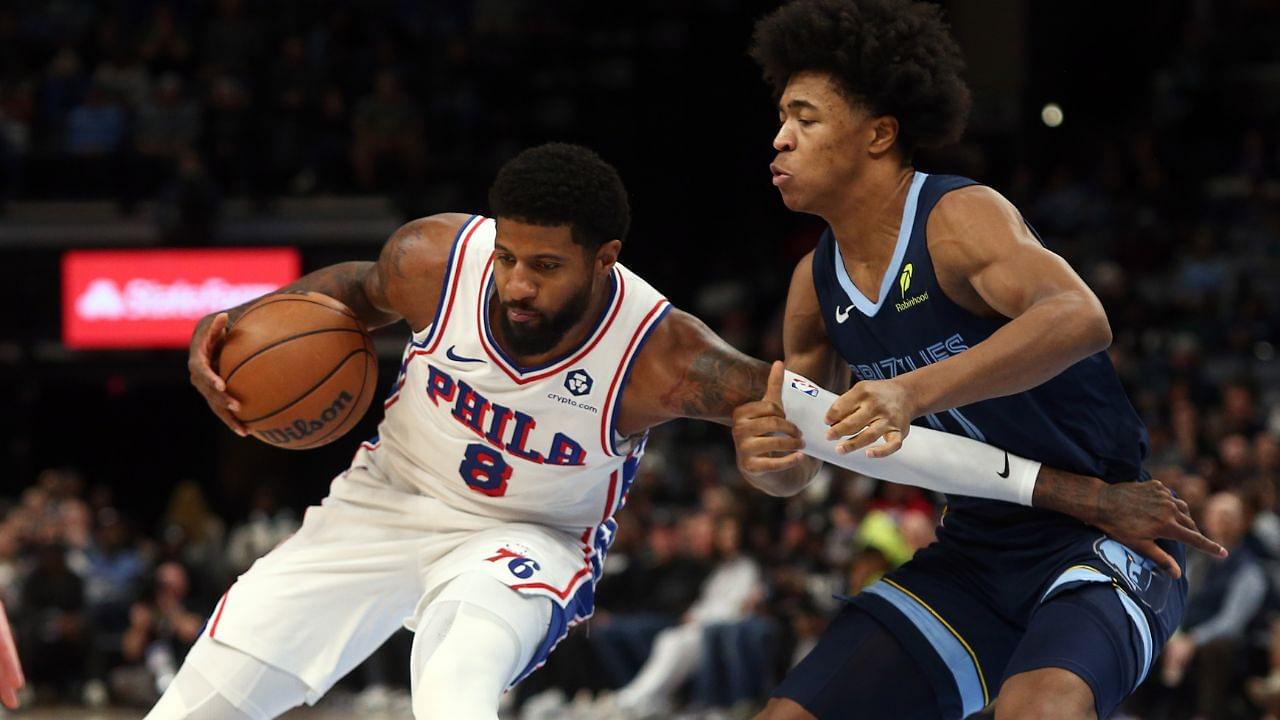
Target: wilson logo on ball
[{"x": 302, "y": 429}]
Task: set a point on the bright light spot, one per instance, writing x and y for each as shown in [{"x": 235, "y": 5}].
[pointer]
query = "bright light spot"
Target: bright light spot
[{"x": 1051, "y": 114}]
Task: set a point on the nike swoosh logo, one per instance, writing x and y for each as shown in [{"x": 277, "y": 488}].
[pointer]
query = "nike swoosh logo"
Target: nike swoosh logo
[
  {"x": 1005, "y": 474},
  {"x": 842, "y": 314},
  {"x": 458, "y": 358}
]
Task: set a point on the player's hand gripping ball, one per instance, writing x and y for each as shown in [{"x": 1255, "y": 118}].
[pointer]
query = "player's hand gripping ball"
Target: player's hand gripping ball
[{"x": 300, "y": 368}]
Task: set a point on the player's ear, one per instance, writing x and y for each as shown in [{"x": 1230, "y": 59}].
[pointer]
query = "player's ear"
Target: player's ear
[
  {"x": 884, "y": 133},
  {"x": 607, "y": 255}
]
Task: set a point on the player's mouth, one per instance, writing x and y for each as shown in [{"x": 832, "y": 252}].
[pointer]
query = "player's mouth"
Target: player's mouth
[
  {"x": 780, "y": 176},
  {"x": 516, "y": 315}
]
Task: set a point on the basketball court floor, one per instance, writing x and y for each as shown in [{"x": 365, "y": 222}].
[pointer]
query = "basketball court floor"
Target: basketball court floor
[{"x": 338, "y": 706}]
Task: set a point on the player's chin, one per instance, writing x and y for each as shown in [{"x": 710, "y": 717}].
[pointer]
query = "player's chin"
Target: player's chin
[{"x": 793, "y": 200}]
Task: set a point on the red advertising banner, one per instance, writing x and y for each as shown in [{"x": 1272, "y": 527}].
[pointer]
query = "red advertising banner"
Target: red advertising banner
[{"x": 153, "y": 298}]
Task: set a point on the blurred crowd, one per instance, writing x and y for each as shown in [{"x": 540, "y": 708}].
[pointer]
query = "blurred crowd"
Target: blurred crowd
[
  {"x": 189, "y": 102},
  {"x": 712, "y": 590},
  {"x": 104, "y": 610}
]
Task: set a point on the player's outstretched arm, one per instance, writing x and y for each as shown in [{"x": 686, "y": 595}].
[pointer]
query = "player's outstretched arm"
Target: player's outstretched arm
[
  {"x": 1135, "y": 513},
  {"x": 403, "y": 283},
  {"x": 687, "y": 371}
]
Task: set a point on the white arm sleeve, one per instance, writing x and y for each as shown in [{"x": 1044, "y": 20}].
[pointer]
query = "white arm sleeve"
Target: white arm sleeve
[{"x": 929, "y": 459}]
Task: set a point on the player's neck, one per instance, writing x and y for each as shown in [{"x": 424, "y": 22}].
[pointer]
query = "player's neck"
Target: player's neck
[
  {"x": 573, "y": 337},
  {"x": 866, "y": 218}
]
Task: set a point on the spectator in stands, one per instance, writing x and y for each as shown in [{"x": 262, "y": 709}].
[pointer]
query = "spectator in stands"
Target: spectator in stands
[
  {"x": 162, "y": 628},
  {"x": 268, "y": 525},
  {"x": 165, "y": 45},
  {"x": 113, "y": 569},
  {"x": 199, "y": 542},
  {"x": 11, "y": 565},
  {"x": 53, "y": 629},
  {"x": 168, "y": 122},
  {"x": 96, "y": 126},
  {"x": 737, "y": 668},
  {"x": 387, "y": 131},
  {"x": 230, "y": 134},
  {"x": 123, "y": 75},
  {"x": 327, "y": 161},
  {"x": 232, "y": 40},
  {"x": 63, "y": 87},
  {"x": 17, "y": 112},
  {"x": 291, "y": 91},
  {"x": 189, "y": 204},
  {"x": 656, "y": 589},
  {"x": 1207, "y": 652},
  {"x": 730, "y": 593},
  {"x": 1265, "y": 691},
  {"x": 76, "y": 524}
]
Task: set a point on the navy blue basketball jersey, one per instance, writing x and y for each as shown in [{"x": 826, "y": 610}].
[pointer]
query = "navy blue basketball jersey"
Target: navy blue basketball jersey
[{"x": 1079, "y": 421}]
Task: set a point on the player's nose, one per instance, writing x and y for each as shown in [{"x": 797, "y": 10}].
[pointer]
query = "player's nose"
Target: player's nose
[
  {"x": 520, "y": 285},
  {"x": 784, "y": 140}
]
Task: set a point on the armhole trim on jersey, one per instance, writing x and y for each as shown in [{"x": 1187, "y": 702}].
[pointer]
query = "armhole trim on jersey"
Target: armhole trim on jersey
[
  {"x": 449, "y": 288},
  {"x": 609, "y": 420}
]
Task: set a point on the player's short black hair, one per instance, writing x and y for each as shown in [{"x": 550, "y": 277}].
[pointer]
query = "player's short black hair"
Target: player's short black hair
[
  {"x": 563, "y": 184},
  {"x": 896, "y": 57}
]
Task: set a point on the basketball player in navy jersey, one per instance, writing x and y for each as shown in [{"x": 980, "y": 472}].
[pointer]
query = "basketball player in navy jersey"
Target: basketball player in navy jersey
[{"x": 934, "y": 297}]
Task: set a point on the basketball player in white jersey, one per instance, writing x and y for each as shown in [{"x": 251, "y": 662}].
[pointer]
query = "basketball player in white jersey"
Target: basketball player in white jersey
[{"x": 480, "y": 515}]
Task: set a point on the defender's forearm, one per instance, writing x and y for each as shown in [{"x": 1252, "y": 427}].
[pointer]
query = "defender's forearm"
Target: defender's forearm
[{"x": 1076, "y": 495}]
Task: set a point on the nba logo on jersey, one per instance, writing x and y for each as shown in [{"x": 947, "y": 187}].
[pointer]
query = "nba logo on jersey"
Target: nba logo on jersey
[
  {"x": 578, "y": 382},
  {"x": 804, "y": 387}
]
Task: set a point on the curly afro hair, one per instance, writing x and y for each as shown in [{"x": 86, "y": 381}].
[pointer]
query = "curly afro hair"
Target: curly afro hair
[
  {"x": 563, "y": 184},
  {"x": 894, "y": 56}
]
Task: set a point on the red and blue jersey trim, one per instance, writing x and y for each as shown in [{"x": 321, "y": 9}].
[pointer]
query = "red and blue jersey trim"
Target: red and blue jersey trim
[
  {"x": 609, "y": 417},
  {"x": 524, "y": 376},
  {"x": 449, "y": 289},
  {"x": 579, "y": 593},
  {"x": 444, "y": 307}
]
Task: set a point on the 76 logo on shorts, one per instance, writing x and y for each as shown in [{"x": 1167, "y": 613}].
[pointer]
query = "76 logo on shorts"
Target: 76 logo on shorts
[{"x": 519, "y": 565}]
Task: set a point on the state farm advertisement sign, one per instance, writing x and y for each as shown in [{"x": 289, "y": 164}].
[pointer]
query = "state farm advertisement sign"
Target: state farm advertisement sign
[{"x": 153, "y": 298}]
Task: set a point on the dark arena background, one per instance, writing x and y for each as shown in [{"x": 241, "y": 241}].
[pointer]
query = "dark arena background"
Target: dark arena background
[{"x": 1142, "y": 139}]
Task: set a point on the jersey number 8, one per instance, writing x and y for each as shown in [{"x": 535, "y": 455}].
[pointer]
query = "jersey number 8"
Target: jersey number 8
[{"x": 484, "y": 470}]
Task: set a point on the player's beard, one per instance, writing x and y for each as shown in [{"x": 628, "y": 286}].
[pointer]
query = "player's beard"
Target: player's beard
[{"x": 539, "y": 336}]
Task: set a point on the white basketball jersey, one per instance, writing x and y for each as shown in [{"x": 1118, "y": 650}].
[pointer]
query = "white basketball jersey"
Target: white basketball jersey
[{"x": 466, "y": 425}]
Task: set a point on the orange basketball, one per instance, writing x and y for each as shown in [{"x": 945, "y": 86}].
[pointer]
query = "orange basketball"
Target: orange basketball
[{"x": 302, "y": 367}]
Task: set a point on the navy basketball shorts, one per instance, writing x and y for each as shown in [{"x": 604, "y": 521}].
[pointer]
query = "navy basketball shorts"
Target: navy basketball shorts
[{"x": 939, "y": 636}]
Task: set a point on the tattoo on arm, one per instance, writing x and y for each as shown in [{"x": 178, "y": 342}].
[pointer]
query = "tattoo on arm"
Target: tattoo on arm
[
  {"x": 718, "y": 380},
  {"x": 1074, "y": 495},
  {"x": 345, "y": 282}
]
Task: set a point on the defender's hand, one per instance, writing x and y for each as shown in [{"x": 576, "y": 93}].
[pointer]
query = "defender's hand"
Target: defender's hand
[
  {"x": 871, "y": 409},
  {"x": 1139, "y": 513},
  {"x": 11, "y": 678},
  {"x": 765, "y": 440},
  {"x": 205, "y": 343}
]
